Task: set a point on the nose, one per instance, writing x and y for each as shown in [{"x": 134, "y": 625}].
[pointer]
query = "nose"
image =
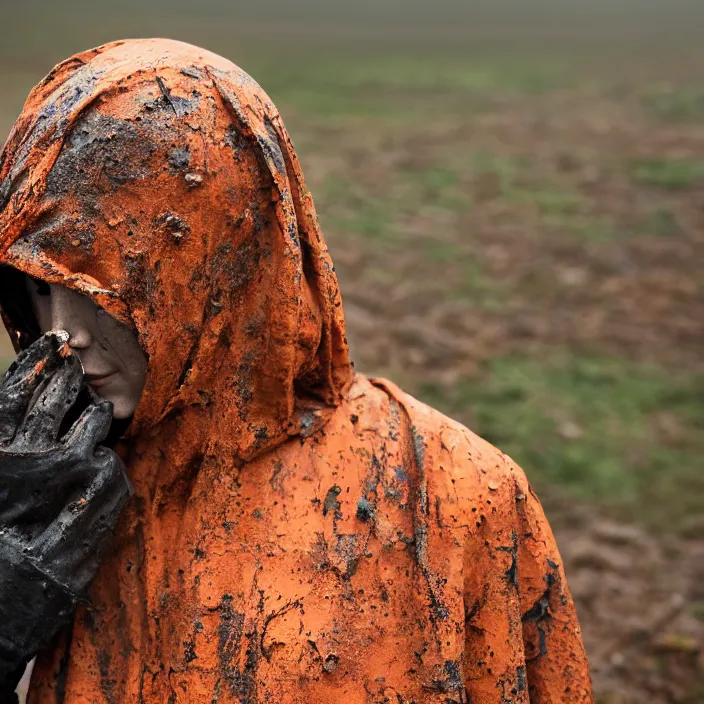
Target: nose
[{"x": 72, "y": 312}]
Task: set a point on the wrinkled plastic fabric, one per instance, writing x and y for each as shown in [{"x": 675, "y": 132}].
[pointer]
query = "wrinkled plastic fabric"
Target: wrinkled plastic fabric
[
  {"x": 299, "y": 533},
  {"x": 60, "y": 497}
]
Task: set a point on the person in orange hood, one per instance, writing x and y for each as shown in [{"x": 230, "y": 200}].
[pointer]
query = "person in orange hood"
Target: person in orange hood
[{"x": 298, "y": 532}]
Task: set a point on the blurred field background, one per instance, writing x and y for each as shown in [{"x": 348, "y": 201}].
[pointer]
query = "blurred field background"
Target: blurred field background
[{"x": 513, "y": 194}]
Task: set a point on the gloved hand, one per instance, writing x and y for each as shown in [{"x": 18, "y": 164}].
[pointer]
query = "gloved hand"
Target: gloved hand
[{"x": 60, "y": 498}]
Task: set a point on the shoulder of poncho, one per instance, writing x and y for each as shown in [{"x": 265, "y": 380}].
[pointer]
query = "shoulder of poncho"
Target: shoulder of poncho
[{"x": 451, "y": 451}]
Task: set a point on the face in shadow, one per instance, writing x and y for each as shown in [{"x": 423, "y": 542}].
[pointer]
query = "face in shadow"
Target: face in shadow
[{"x": 114, "y": 363}]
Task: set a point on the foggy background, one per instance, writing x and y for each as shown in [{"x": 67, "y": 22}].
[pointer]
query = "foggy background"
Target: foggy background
[{"x": 513, "y": 194}]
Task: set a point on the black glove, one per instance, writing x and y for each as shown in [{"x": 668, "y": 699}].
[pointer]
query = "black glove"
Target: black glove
[{"x": 60, "y": 498}]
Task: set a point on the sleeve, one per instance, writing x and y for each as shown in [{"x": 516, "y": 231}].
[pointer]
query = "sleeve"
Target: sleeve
[
  {"x": 33, "y": 608},
  {"x": 555, "y": 659},
  {"x": 523, "y": 641}
]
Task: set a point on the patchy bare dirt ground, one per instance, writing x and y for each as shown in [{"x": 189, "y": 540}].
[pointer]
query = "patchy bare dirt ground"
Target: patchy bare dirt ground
[{"x": 639, "y": 598}]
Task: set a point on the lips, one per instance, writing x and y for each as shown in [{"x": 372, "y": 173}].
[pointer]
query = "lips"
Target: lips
[{"x": 98, "y": 380}]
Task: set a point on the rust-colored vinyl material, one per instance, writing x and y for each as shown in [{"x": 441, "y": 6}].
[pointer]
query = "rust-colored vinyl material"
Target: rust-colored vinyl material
[{"x": 299, "y": 534}]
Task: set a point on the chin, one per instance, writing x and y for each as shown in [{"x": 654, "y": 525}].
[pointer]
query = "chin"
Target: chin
[
  {"x": 122, "y": 408},
  {"x": 121, "y": 411}
]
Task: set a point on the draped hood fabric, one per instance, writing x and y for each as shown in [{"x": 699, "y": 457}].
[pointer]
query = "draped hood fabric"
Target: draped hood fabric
[{"x": 298, "y": 533}]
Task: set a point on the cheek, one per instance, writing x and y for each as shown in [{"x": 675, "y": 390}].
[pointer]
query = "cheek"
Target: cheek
[
  {"x": 124, "y": 393},
  {"x": 123, "y": 345}
]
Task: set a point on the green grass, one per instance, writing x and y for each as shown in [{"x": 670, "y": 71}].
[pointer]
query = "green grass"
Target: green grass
[
  {"x": 664, "y": 223},
  {"x": 371, "y": 220},
  {"x": 589, "y": 228},
  {"x": 475, "y": 287},
  {"x": 341, "y": 70},
  {"x": 346, "y": 206},
  {"x": 378, "y": 221},
  {"x": 676, "y": 104},
  {"x": 520, "y": 182},
  {"x": 661, "y": 223},
  {"x": 431, "y": 193},
  {"x": 627, "y": 436},
  {"x": 401, "y": 86},
  {"x": 376, "y": 213},
  {"x": 669, "y": 174},
  {"x": 436, "y": 187}
]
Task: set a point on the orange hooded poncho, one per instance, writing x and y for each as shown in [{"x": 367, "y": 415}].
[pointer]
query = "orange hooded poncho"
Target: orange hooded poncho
[{"x": 299, "y": 534}]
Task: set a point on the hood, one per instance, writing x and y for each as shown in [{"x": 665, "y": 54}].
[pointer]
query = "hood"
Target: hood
[{"x": 158, "y": 179}]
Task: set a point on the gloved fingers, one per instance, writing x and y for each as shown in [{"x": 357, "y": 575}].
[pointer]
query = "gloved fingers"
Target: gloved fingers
[
  {"x": 109, "y": 490},
  {"x": 40, "y": 426},
  {"x": 35, "y": 486},
  {"x": 110, "y": 482},
  {"x": 23, "y": 378},
  {"x": 73, "y": 542},
  {"x": 105, "y": 492},
  {"x": 41, "y": 350},
  {"x": 89, "y": 430},
  {"x": 30, "y": 497}
]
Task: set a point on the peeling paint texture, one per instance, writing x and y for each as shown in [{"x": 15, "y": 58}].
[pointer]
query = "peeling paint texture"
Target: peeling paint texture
[{"x": 299, "y": 534}]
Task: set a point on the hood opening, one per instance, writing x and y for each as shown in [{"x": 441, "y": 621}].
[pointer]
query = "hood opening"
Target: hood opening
[
  {"x": 159, "y": 180},
  {"x": 23, "y": 328},
  {"x": 16, "y": 308}
]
